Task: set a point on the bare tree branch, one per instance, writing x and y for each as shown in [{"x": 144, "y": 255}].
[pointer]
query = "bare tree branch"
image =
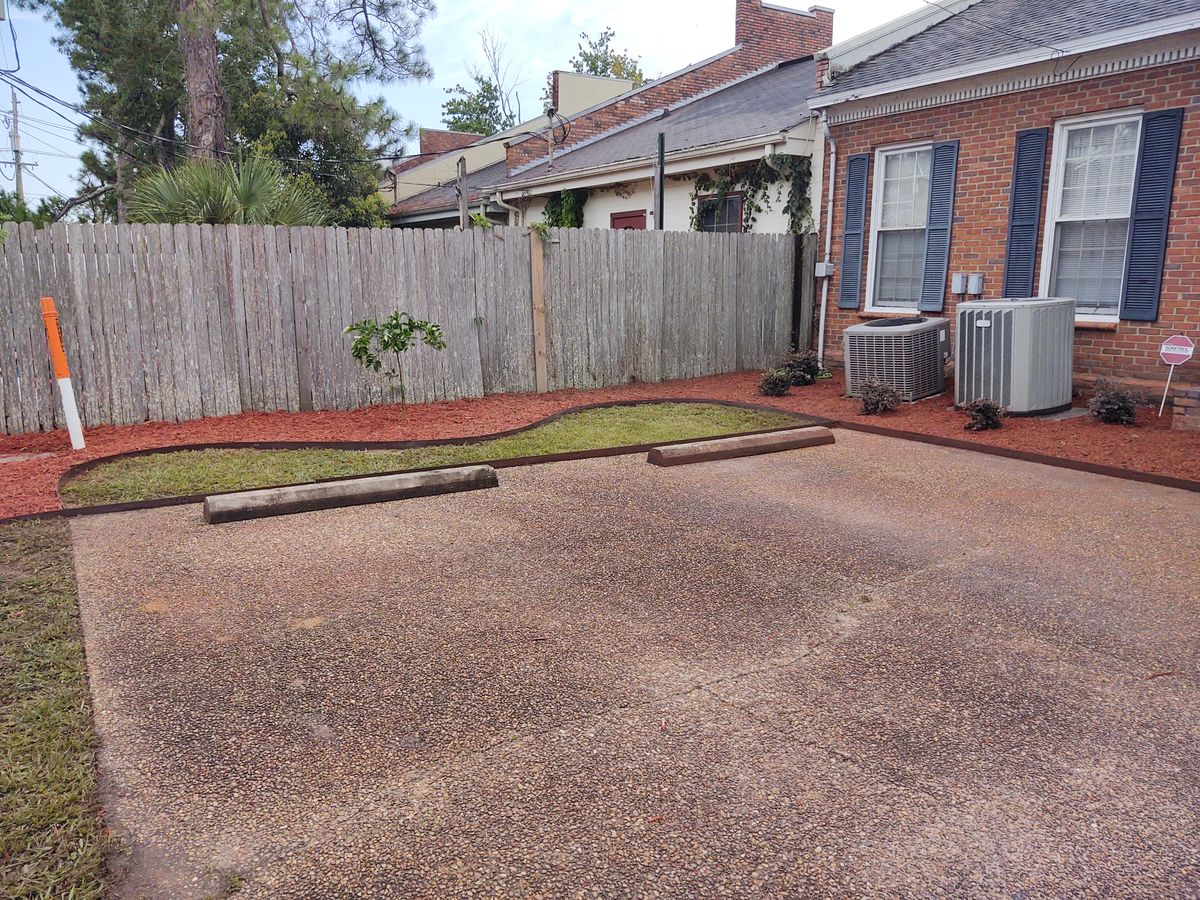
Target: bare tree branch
[{"x": 86, "y": 197}]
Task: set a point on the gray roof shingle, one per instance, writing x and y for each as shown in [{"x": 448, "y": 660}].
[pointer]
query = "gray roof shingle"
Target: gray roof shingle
[
  {"x": 444, "y": 196},
  {"x": 993, "y": 28},
  {"x": 762, "y": 104}
]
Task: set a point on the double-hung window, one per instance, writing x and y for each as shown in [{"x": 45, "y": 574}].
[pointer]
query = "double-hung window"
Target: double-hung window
[
  {"x": 717, "y": 216},
  {"x": 898, "y": 218},
  {"x": 1087, "y": 219}
]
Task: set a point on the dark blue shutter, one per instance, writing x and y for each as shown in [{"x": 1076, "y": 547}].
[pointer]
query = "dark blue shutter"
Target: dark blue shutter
[
  {"x": 1024, "y": 210},
  {"x": 1151, "y": 211},
  {"x": 850, "y": 285},
  {"x": 942, "y": 170}
]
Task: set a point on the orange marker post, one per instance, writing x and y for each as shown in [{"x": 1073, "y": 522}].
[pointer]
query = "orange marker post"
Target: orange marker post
[{"x": 62, "y": 375}]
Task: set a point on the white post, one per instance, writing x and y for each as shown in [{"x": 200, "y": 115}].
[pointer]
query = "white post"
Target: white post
[
  {"x": 71, "y": 413},
  {"x": 62, "y": 375},
  {"x": 1167, "y": 389}
]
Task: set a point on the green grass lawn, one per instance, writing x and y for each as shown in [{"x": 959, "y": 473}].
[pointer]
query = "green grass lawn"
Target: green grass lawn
[
  {"x": 52, "y": 843},
  {"x": 175, "y": 474}
]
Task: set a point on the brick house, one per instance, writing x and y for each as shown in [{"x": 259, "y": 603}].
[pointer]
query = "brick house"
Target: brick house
[
  {"x": 1051, "y": 147},
  {"x": 766, "y": 37}
]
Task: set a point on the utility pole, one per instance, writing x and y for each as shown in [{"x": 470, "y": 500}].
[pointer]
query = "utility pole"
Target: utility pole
[
  {"x": 464, "y": 220},
  {"x": 16, "y": 148}
]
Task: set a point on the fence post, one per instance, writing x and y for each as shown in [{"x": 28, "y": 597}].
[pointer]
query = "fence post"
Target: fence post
[
  {"x": 537, "y": 283},
  {"x": 803, "y": 290}
]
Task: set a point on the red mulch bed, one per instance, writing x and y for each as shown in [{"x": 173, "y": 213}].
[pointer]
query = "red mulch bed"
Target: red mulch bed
[{"x": 29, "y": 486}]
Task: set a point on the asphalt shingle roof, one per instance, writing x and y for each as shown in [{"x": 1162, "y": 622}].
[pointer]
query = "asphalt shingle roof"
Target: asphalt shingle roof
[
  {"x": 761, "y": 104},
  {"x": 1001, "y": 27},
  {"x": 443, "y": 196}
]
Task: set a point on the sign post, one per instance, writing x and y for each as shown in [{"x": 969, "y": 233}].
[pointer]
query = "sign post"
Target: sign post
[{"x": 1175, "y": 351}]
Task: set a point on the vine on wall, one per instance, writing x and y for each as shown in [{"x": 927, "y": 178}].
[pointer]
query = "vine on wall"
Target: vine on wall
[
  {"x": 565, "y": 209},
  {"x": 755, "y": 181}
]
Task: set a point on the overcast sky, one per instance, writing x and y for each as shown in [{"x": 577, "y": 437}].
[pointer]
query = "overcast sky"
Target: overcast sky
[{"x": 666, "y": 34}]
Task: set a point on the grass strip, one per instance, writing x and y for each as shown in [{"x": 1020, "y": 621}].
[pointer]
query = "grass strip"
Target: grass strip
[
  {"x": 52, "y": 840},
  {"x": 185, "y": 472}
]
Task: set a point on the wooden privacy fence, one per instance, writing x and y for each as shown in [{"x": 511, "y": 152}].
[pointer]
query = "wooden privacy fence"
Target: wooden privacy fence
[{"x": 177, "y": 322}]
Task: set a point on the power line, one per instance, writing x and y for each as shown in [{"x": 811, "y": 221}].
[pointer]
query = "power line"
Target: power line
[
  {"x": 50, "y": 186},
  {"x": 138, "y": 135},
  {"x": 25, "y": 151}
]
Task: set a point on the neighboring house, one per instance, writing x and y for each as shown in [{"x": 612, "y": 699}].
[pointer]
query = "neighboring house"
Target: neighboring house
[
  {"x": 419, "y": 175},
  {"x": 757, "y": 124},
  {"x": 610, "y": 148},
  {"x": 1052, "y": 147}
]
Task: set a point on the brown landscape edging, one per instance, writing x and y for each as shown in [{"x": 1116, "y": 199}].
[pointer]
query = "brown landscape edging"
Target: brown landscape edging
[
  {"x": 1184, "y": 484},
  {"x": 511, "y": 462}
]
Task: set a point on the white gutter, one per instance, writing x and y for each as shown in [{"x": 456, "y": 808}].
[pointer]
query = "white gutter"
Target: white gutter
[
  {"x": 828, "y": 238},
  {"x": 675, "y": 163},
  {"x": 498, "y": 199},
  {"x": 1141, "y": 32}
]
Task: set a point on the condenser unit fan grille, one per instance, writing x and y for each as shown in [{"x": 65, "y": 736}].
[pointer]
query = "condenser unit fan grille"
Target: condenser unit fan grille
[{"x": 910, "y": 361}]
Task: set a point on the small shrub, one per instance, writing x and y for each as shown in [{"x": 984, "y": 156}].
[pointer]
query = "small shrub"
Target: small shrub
[
  {"x": 774, "y": 383},
  {"x": 802, "y": 368},
  {"x": 878, "y": 397},
  {"x": 984, "y": 414},
  {"x": 377, "y": 343},
  {"x": 1113, "y": 406}
]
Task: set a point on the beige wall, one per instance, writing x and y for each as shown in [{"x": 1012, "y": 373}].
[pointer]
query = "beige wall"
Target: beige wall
[
  {"x": 579, "y": 92},
  {"x": 677, "y": 202},
  {"x": 576, "y": 92}
]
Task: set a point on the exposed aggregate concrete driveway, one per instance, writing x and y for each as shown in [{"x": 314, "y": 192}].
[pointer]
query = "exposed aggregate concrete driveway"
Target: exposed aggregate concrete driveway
[{"x": 874, "y": 668}]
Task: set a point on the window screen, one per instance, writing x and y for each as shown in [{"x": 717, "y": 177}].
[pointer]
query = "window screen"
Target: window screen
[
  {"x": 717, "y": 216},
  {"x": 902, "y": 207},
  {"x": 1097, "y": 165}
]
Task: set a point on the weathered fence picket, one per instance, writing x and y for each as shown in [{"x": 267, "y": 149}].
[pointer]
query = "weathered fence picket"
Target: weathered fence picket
[{"x": 178, "y": 322}]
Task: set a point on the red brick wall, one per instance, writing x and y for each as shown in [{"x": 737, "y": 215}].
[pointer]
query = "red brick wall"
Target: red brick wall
[
  {"x": 436, "y": 140},
  {"x": 764, "y": 36},
  {"x": 987, "y": 131}
]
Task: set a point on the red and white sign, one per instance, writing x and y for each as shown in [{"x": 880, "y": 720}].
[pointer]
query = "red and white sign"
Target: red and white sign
[{"x": 1177, "y": 349}]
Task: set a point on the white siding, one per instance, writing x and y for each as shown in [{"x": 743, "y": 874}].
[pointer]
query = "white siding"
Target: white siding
[{"x": 677, "y": 199}]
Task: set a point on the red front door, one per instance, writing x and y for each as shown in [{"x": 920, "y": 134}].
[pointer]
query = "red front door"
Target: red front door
[{"x": 629, "y": 220}]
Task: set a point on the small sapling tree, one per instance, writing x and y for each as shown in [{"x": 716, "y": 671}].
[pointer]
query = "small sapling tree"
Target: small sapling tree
[{"x": 374, "y": 341}]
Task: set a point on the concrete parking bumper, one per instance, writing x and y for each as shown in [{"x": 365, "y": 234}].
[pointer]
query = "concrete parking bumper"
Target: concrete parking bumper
[
  {"x": 280, "y": 501},
  {"x": 746, "y": 445}
]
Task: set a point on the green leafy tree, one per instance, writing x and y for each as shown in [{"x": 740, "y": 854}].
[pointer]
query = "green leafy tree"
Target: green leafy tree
[
  {"x": 596, "y": 56},
  {"x": 477, "y": 109},
  {"x": 490, "y": 106},
  {"x": 374, "y": 342},
  {"x": 14, "y": 210},
  {"x": 287, "y": 69},
  {"x": 251, "y": 192}
]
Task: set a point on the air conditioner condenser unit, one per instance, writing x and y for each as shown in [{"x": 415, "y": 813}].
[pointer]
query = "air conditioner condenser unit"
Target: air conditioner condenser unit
[
  {"x": 909, "y": 353},
  {"x": 1016, "y": 351}
]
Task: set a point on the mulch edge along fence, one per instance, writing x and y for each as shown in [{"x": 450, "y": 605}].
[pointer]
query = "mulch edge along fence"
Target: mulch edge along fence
[
  {"x": 181, "y": 322},
  {"x": 803, "y": 420}
]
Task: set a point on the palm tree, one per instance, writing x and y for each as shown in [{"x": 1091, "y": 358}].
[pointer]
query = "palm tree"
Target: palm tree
[{"x": 254, "y": 191}]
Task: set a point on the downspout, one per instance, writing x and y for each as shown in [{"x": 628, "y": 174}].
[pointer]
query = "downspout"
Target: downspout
[
  {"x": 498, "y": 199},
  {"x": 828, "y": 237}
]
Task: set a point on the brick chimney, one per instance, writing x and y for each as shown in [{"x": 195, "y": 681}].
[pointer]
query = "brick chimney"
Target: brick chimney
[{"x": 773, "y": 33}]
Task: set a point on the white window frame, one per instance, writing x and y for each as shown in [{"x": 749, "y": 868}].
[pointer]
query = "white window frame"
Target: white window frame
[
  {"x": 876, "y": 214},
  {"x": 1058, "y": 165}
]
